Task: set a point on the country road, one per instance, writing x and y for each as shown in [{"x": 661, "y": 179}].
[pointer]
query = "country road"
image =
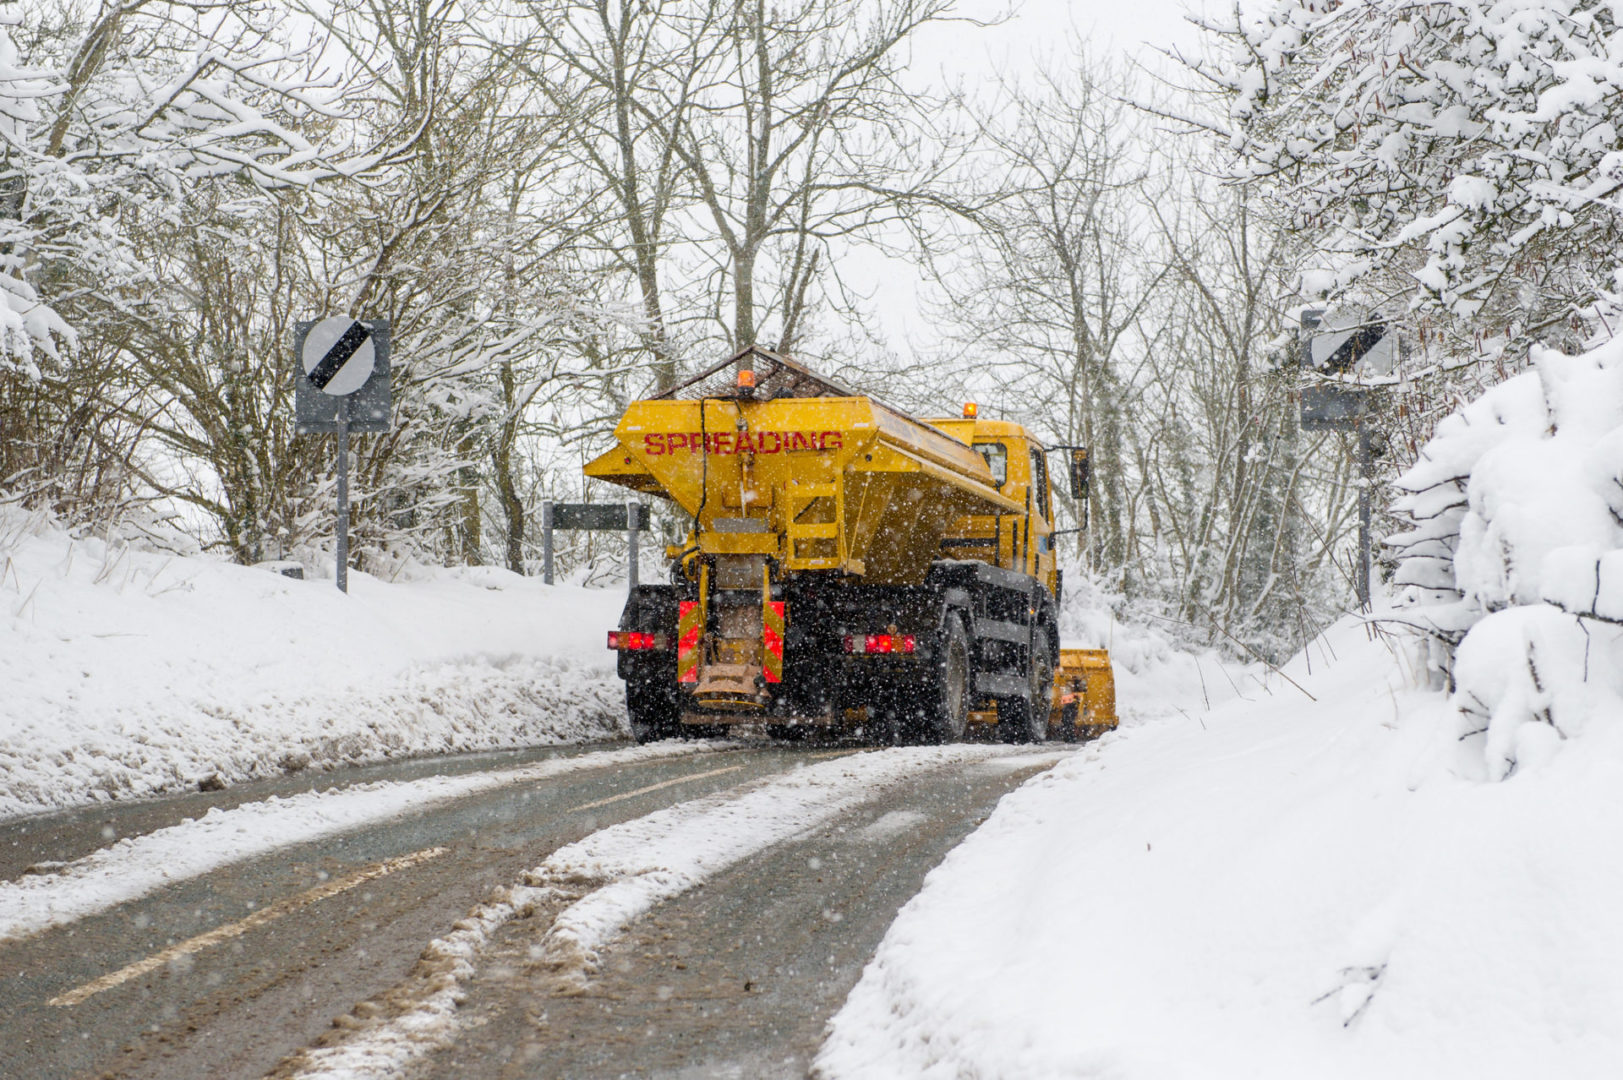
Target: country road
[{"x": 676, "y": 910}]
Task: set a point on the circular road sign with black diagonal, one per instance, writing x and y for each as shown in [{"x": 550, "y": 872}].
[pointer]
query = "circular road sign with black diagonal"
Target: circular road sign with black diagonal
[
  {"x": 340, "y": 371},
  {"x": 338, "y": 356}
]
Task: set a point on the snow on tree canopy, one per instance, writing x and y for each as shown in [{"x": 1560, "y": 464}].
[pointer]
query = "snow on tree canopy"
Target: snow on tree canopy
[
  {"x": 92, "y": 136},
  {"x": 1514, "y": 563},
  {"x": 1461, "y": 156}
]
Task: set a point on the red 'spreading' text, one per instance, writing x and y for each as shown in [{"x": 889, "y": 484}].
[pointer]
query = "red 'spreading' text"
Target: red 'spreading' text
[{"x": 741, "y": 442}]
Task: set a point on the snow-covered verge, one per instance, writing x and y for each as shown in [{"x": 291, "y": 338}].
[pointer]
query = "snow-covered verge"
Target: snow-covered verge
[
  {"x": 1277, "y": 888},
  {"x": 1514, "y": 563},
  {"x": 1155, "y": 677},
  {"x": 127, "y": 672}
]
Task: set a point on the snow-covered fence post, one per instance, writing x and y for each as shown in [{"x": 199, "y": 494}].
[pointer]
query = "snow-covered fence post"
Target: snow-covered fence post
[{"x": 546, "y": 541}]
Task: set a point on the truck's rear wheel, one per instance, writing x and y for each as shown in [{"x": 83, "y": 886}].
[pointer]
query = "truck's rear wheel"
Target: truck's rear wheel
[
  {"x": 654, "y": 714},
  {"x": 946, "y": 712},
  {"x": 1021, "y": 720}
]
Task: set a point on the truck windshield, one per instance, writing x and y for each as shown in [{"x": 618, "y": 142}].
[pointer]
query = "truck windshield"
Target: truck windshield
[{"x": 997, "y": 459}]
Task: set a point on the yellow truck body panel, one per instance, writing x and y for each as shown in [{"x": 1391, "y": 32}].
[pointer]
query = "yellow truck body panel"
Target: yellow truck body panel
[{"x": 829, "y": 484}]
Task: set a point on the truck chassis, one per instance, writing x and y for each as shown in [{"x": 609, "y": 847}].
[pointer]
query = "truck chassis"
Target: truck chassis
[{"x": 983, "y": 640}]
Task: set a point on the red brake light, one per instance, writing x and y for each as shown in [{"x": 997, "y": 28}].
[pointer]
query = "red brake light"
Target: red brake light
[
  {"x": 880, "y": 643},
  {"x": 637, "y": 640}
]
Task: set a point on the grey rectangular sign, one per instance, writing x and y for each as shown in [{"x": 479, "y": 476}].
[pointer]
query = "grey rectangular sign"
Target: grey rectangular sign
[
  {"x": 1325, "y": 407},
  {"x": 316, "y": 413},
  {"x": 606, "y": 516}
]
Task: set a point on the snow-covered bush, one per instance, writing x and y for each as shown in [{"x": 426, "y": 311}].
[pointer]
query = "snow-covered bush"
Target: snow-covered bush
[{"x": 1514, "y": 562}]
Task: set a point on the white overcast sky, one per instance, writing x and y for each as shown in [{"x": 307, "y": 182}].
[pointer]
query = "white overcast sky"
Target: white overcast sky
[
  {"x": 1041, "y": 28},
  {"x": 1039, "y": 33}
]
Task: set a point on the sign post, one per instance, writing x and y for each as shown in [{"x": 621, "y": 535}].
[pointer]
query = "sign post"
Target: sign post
[
  {"x": 343, "y": 499},
  {"x": 1333, "y": 406},
  {"x": 342, "y": 386},
  {"x": 632, "y": 516},
  {"x": 631, "y": 544}
]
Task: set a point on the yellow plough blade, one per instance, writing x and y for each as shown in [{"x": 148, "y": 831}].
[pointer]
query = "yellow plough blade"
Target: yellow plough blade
[{"x": 1084, "y": 695}]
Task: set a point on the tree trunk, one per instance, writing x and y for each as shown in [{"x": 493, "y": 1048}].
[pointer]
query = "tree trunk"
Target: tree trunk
[{"x": 502, "y": 455}]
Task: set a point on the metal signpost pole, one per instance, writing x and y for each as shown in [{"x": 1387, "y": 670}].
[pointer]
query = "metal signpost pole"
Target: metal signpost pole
[
  {"x": 546, "y": 541},
  {"x": 1365, "y": 461},
  {"x": 343, "y": 496},
  {"x": 341, "y": 385},
  {"x": 631, "y": 544},
  {"x": 1336, "y": 405}
]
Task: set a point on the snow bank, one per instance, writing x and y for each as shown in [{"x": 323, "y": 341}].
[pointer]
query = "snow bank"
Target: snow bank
[
  {"x": 1155, "y": 678},
  {"x": 1513, "y": 566},
  {"x": 1280, "y": 888},
  {"x": 125, "y": 672}
]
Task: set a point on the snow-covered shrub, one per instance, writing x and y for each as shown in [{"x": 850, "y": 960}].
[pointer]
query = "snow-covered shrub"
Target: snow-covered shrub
[{"x": 1514, "y": 563}]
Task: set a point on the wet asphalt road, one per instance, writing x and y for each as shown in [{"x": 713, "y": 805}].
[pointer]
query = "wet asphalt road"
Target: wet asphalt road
[{"x": 734, "y": 979}]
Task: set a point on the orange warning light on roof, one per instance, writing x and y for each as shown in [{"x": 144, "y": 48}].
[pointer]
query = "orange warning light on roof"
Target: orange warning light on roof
[
  {"x": 746, "y": 379},
  {"x": 970, "y": 409}
]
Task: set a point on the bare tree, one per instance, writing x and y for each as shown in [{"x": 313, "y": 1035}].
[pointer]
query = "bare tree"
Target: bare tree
[
  {"x": 622, "y": 75},
  {"x": 1055, "y": 283}
]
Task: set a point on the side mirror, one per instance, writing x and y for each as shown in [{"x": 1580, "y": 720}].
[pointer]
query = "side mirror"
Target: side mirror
[{"x": 1079, "y": 473}]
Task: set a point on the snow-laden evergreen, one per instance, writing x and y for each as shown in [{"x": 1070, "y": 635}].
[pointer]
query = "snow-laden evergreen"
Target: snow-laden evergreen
[{"x": 1514, "y": 562}]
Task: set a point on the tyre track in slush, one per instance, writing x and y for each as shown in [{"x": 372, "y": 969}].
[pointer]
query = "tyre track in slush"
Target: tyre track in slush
[
  {"x": 235, "y": 1007},
  {"x": 738, "y": 977}
]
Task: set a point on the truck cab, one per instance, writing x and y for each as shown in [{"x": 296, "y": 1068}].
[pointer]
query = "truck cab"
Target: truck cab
[{"x": 1023, "y": 542}]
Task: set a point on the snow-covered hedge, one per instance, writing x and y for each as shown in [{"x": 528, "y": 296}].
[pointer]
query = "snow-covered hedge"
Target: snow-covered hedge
[{"x": 1514, "y": 563}]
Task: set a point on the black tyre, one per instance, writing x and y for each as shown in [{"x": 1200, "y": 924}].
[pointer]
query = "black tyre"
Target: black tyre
[
  {"x": 788, "y": 732},
  {"x": 946, "y": 706},
  {"x": 653, "y": 711},
  {"x": 1022, "y": 720}
]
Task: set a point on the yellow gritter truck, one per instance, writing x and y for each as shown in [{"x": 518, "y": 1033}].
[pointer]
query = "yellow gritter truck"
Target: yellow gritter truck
[{"x": 846, "y": 566}]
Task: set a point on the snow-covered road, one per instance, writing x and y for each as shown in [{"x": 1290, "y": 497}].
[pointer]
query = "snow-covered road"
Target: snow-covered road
[
  {"x": 219, "y": 925},
  {"x": 137, "y": 866}
]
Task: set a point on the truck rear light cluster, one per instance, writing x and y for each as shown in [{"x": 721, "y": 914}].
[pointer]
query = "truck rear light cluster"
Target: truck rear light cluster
[
  {"x": 636, "y": 640},
  {"x": 880, "y": 643}
]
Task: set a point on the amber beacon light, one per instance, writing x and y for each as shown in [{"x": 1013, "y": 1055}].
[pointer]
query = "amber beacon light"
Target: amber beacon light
[{"x": 970, "y": 409}]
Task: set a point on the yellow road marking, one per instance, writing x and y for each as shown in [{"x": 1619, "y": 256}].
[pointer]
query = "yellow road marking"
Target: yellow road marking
[
  {"x": 259, "y": 918},
  {"x": 650, "y": 787},
  {"x": 833, "y": 754},
  {"x": 305, "y": 899}
]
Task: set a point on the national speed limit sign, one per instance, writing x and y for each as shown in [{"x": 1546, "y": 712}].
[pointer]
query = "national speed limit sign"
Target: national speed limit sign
[{"x": 339, "y": 355}]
